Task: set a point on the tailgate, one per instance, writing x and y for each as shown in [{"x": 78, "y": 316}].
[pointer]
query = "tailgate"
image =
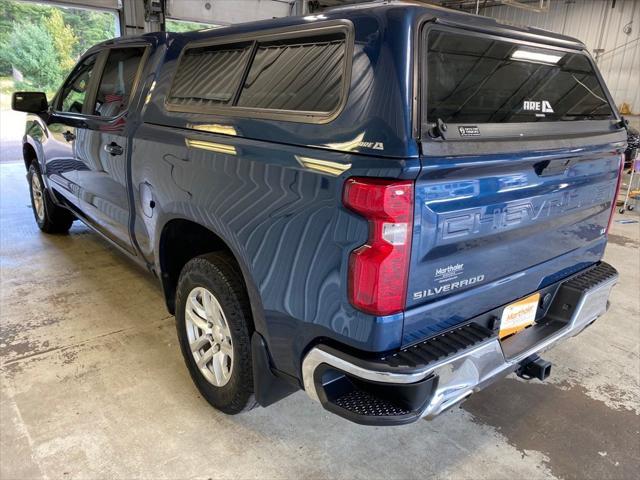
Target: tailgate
[{"x": 491, "y": 230}]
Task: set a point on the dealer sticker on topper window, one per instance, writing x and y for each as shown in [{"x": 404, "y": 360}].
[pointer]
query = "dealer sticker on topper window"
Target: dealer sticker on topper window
[{"x": 540, "y": 107}]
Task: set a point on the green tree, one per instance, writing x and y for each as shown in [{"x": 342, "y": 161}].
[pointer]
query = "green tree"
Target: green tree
[
  {"x": 180, "y": 26},
  {"x": 64, "y": 40},
  {"x": 30, "y": 49},
  {"x": 87, "y": 26},
  {"x": 11, "y": 13},
  {"x": 90, "y": 27}
]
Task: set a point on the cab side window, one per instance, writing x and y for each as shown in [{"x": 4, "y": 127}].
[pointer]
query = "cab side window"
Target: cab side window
[
  {"x": 117, "y": 82},
  {"x": 74, "y": 91}
]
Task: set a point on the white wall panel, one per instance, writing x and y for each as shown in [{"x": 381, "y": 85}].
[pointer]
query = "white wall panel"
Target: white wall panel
[
  {"x": 226, "y": 12},
  {"x": 599, "y": 26}
]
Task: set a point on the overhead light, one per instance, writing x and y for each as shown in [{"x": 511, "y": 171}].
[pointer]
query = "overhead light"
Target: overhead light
[
  {"x": 534, "y": 56},
  {"x": 212, "y": 146},
  {"x": 312, "y": 18},
  {"x": 324, "y": 166},
  {"x": 214, "y": 128}
]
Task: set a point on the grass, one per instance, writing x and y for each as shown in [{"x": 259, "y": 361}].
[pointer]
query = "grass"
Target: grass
[{"x": 7, "y": 87}]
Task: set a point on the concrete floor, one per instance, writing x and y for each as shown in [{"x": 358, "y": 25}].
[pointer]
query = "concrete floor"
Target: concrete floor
[
  {"x": 11, "y": 132},
  {"x": 93, "y": 385}
]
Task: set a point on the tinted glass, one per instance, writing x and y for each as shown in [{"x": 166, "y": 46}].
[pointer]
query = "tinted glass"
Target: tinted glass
[
  {"x": 301, "y": 74},
  {"x": 74, "y": 91},
  {"x": 209, "y": 76},
  {"x": 472, "y": 79},
  {"x": 117, "y": 81}
]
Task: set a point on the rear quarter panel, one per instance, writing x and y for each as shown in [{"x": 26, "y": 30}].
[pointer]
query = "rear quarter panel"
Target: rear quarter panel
[{"x": 280, "y": 212}]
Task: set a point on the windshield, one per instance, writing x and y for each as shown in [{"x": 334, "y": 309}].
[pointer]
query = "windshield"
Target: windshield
[{"x": 477, "y": 79}]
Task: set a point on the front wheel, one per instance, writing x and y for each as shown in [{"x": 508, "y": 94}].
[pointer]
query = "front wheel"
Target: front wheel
[
  {"x": 213, "y": 320},
  {"x": 49, "y": 217}
]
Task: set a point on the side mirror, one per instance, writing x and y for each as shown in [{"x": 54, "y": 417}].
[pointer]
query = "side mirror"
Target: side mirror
[{"x": 30, "y": 102}]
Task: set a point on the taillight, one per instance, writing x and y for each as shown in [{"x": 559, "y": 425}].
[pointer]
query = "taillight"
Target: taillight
[
  {"x": 378, "y": 270},
  {"x": 615, "y": 195}
]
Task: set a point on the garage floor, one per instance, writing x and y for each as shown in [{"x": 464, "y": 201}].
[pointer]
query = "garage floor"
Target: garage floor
[{"x": 93, "y": 384}]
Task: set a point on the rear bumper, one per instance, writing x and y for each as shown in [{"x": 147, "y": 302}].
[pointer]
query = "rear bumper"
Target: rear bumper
[{"x": 424, "y": 380}]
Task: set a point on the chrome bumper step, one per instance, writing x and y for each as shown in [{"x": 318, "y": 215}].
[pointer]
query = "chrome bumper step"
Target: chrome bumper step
[
  {"x": 425, "y": 379},
  {"x": 439, "y": 347}
]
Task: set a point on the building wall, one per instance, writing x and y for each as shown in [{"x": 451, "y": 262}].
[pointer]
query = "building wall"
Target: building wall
[
  {"x": 227, "y": 12},
  {"x": 600, "y": 25}
]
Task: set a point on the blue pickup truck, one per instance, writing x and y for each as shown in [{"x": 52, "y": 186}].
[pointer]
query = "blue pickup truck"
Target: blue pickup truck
[{"x": 389, "y": 205}]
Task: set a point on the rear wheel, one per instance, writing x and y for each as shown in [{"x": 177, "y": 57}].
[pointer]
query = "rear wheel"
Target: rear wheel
[
  {"x": 213, "y": 320},
  {"x": 49, "y": 217}
]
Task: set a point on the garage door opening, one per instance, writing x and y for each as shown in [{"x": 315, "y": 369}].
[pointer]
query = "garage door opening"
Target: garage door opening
[
  {"x": 40, "y": 43},
  {"x": 174, "y": 25}
]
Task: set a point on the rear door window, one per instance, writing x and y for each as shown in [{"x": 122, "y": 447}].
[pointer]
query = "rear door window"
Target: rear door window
[
  {"x": 117, "y": 81},
  {"x": 477, "y": 79}
]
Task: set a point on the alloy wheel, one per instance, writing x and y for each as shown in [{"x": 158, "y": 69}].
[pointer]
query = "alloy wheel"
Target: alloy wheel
[
  {"x": 209, "y": 336},
  {"x": 37, "y": 196}
]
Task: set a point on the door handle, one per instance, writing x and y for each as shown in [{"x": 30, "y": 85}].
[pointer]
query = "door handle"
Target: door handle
[
  {"x": 68, "y": 136},
  {"x": 113, "y": 148}
]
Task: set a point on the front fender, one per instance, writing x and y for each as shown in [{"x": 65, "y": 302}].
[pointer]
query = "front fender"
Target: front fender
[{"x": 35, "y": 135}]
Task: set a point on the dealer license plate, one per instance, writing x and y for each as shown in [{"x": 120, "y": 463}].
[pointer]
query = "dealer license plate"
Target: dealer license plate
[{"x": 519, "y": 315}]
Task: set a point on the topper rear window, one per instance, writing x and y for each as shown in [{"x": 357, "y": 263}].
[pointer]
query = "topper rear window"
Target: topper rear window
[{"x": 477, "y": 79}]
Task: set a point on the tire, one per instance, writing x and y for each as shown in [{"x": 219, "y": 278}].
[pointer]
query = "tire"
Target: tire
[
  {"x": 225, "y": 380},
  {"x": 49, "y": 217}
]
